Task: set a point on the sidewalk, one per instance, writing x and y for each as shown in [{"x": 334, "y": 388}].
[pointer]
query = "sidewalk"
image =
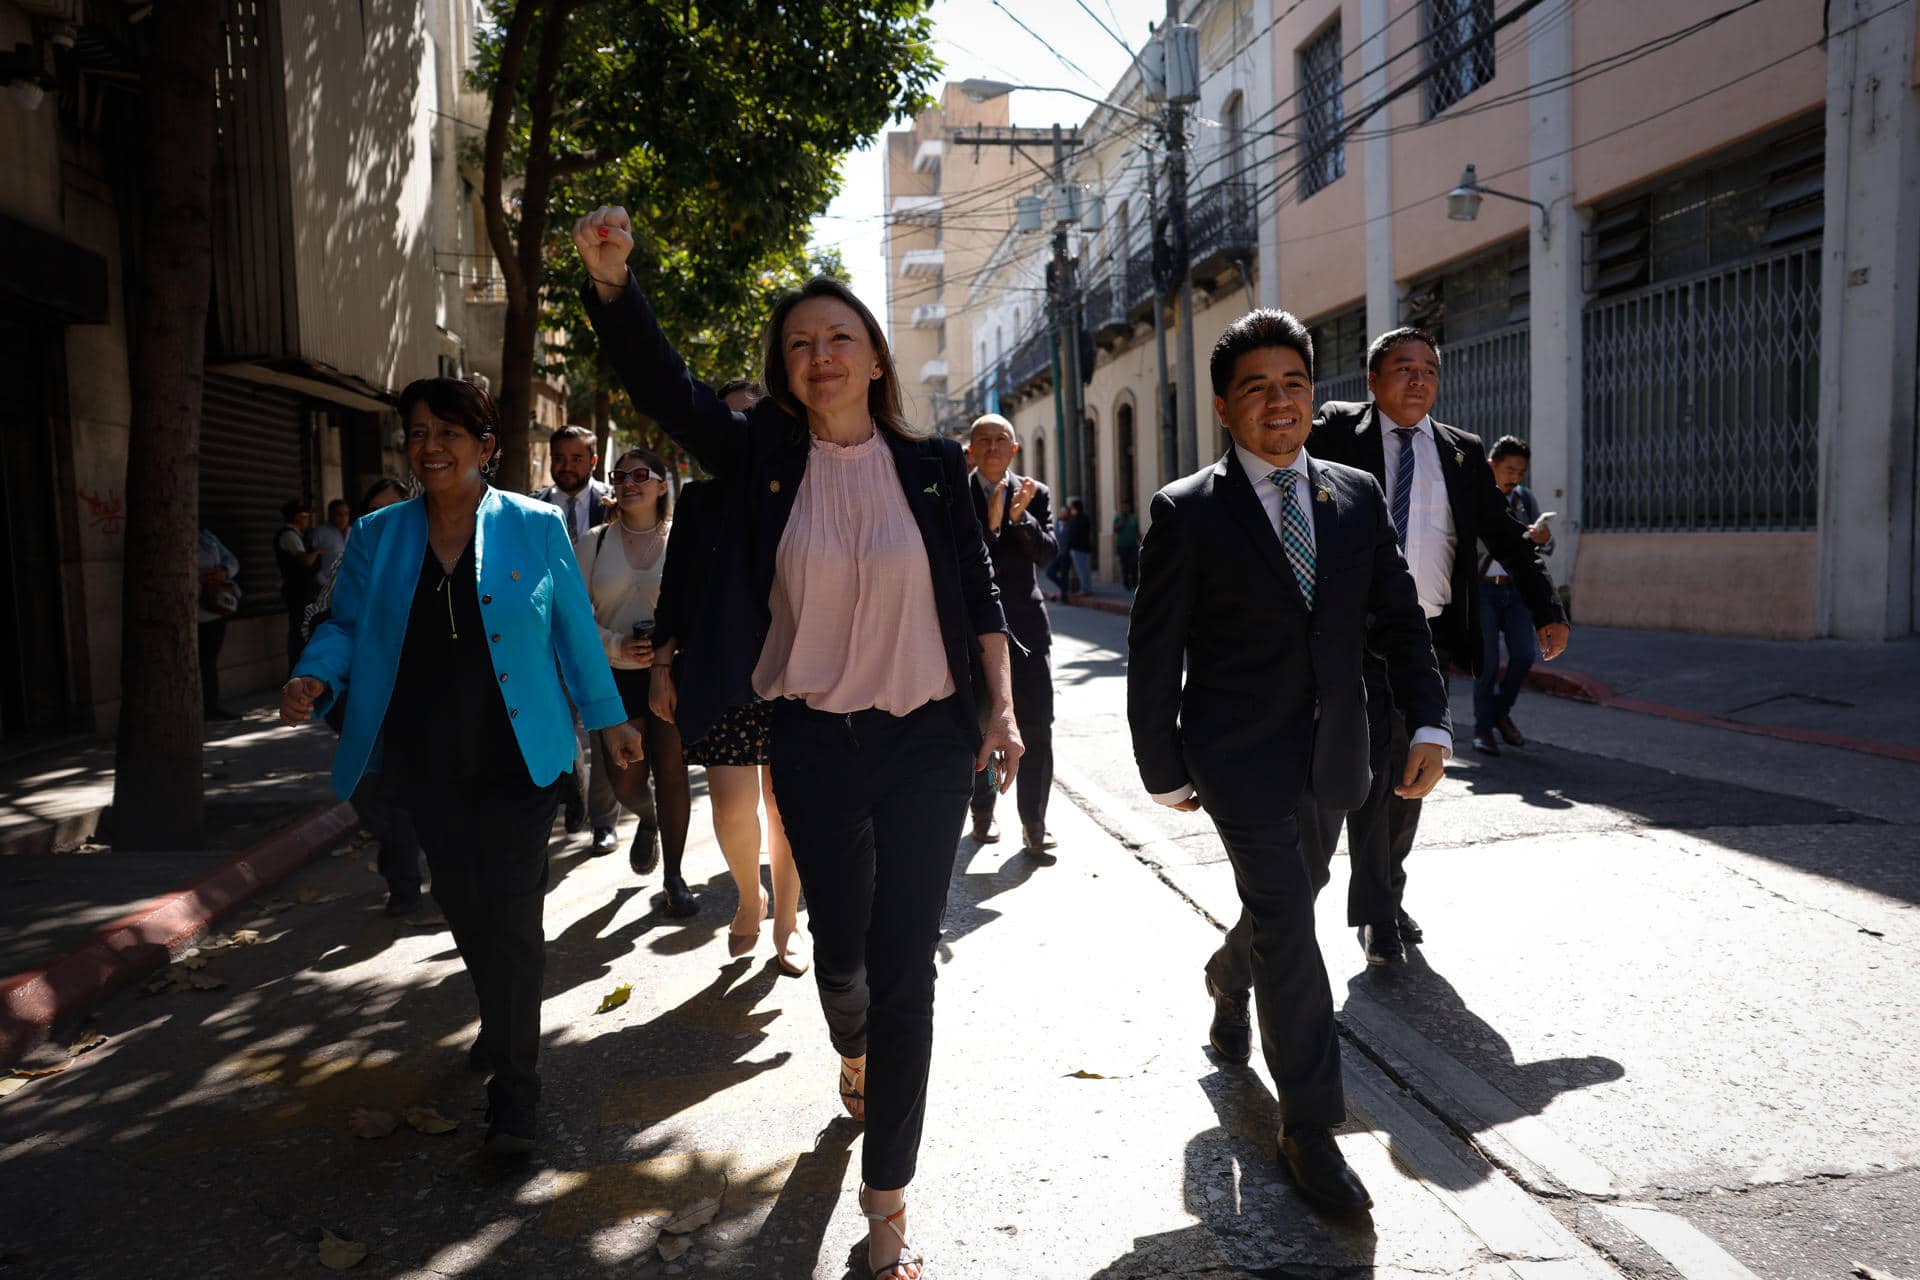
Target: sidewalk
[
  {"x": 1856, "y": 695},
  {"x": 79, "y": 918}
]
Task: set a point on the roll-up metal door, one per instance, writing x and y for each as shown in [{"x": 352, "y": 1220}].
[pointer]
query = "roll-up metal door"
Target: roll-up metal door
[{"x": 253, "y": 457}]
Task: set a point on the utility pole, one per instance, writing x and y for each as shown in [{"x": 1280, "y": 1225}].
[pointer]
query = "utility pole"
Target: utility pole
[
  {"x": 1169, "y": 428},
  {"x": 1069, "y": 407},
  {"x": 1182, "y": 87}
]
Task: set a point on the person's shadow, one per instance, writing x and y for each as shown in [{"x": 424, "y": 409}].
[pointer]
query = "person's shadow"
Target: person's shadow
[{"x": 1253, "y": 1224}]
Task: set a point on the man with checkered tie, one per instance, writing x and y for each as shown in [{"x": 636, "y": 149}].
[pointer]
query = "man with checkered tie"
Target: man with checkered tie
[{"x": 1264, "y": 579}]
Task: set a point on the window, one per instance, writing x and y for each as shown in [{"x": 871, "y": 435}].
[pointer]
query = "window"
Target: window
[
  {"x": 1459, "y": 50},
  {"x": 1323, "y": 113},
  {"x": 1340, "y": 355},
  {"x": 1478, "y": 296},
  {"x": 1233, "y": 141}
]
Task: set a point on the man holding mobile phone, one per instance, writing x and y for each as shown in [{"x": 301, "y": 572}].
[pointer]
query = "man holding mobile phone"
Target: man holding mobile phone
[{"x": 1502, "y": 611}]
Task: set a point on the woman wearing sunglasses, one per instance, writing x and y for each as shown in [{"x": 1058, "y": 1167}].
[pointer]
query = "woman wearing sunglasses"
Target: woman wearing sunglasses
[{"x": 621, "y": 562}]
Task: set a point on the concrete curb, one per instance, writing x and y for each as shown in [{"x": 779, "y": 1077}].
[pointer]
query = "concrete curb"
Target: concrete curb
[
  {"x": 1585, "y": 688},
  {"x": 31, "y": 1003}
]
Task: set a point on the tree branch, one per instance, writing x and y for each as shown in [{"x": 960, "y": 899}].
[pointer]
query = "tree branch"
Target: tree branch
[
  {"x": 506, "y": 89},
  {"x": 579, "y": 162}
]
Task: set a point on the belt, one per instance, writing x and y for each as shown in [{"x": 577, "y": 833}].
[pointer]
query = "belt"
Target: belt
[{"x": 1497, "y": 579}]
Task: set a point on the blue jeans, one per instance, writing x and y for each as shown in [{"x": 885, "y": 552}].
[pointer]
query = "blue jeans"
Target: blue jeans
[
  {"x": 1502, "y": 613},
  {"x": 1083, "y": 569}
]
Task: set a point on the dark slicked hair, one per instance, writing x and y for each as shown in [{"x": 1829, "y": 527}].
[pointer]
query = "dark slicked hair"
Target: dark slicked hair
[
  {"x": 883, "y": 393},
  {"x": 1251, "y": 332},
  {"x": 1510, "y": 447},
  {"x": 460, "y": 402},
  {"x": 574, "y": 431},
  {"x": 1378, "y": 349}
]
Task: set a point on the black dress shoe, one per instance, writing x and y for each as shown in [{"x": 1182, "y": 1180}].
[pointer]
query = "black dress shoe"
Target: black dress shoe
[
  {"x": 1485, "y": 745},
  {"x": 604, "y": 841},
  {"x": 643, "y": 855},
  {"x": 1510, "y": 731},
  {"x": 510, "y": 1129},
  {"x": 1321, "y": 1172},
  {"x": 576, "y": 822},
  {"x": 680, "y": 900},
  {"x": 1231, "y": 1034},
  {"x": 1382, "y": 943},
  {"x": 984, "y": 830},
  {"x": 1410, "y": 930},
  {"x": 403, "y": 897}
]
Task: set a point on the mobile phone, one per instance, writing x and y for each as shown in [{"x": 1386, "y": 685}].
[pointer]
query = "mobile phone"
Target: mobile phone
[
  {"x": 1545, "y": 516},
  {"x": 993, "y": 771},
  {"x": 641, "y": 630}
]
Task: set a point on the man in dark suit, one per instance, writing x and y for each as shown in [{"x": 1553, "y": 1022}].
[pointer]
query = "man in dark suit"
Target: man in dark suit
[
  {"x": 1443, "y": 501},
  {"x": 1016, "y": 514},
  {"x": 1263, "y": 579}
]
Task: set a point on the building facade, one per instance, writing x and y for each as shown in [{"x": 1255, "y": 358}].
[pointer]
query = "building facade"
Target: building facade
[
  {"x": 1701, "y": 310},
  {"x": 348, "y": 260}
]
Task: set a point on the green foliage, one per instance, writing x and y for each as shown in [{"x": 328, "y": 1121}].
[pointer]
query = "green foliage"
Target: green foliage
[{"x": 719, "y": 127}]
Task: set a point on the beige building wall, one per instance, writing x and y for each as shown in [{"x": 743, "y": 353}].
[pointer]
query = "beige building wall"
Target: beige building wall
[{"x": 946, "y": 210}]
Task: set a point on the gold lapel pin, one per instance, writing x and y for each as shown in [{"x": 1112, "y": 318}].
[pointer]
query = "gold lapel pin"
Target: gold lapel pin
[
  {"x": 515, "y": 575},
  {"x": 773, "y": 486},
  {"x": 1458, "y": 458}
]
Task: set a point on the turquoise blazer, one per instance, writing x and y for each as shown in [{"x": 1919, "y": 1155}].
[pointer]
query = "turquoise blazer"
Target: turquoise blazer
[{"x": 537, "y": 614}]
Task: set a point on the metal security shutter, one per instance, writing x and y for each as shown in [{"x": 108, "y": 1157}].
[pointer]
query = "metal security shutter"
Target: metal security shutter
[{"x": 252, "y": 458}]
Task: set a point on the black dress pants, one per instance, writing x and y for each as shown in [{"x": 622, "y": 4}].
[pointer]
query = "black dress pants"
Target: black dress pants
[
  {"x": 486, "y": 845},
  {"x": 384, "y": 814},
  {"x": 1033, "y": 713},
  {"x": 873, "y": 804},
  {"x": 1380, "y": 832},
  {"x": 1272, "y": 949}
]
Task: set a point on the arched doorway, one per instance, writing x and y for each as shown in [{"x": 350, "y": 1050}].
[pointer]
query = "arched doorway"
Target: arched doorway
[{"x": 1126, "y": 482}]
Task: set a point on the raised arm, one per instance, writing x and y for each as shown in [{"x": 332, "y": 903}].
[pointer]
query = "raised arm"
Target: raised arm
[{"x": 658, "y": 380}]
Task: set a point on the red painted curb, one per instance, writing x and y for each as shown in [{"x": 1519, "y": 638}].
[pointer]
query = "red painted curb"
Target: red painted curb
[
  {"x": 32, "y": 1002},
  {"x": 1103, "y": 605}
]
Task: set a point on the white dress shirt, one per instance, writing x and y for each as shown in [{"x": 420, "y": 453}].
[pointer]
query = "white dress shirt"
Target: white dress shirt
[
  {"x": 1258, "y": 469},
  {"x": 1430, "y": 534}
]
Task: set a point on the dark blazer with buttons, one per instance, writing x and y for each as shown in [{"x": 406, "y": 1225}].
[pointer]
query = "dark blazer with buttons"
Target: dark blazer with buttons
[
  {"x": 1350, "y": 432},
  {"x": 1233, "y": 684},
  {"x": 1019, "y": 547},
  {"x": 760, "y": 457}
]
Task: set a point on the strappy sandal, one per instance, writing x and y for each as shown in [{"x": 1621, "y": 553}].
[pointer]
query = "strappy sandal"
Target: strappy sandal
[
  {"x": 909, "y": 1256},
  {"x": 853, "y": 1090}
]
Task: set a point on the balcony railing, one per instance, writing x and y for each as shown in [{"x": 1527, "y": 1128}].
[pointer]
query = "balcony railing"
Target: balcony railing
[
  {"x": 921, "y": 210},
  {"x": 923, "y": 262},
  {"x": 1139, "y": 296},
  {"x": 928, "y": 156},
  {"x": 1220, "y": 230},
  {"x": 930, "y": 315},
  {"x": 934, "y": 370},
  {"x": 1031, "y": 361}
]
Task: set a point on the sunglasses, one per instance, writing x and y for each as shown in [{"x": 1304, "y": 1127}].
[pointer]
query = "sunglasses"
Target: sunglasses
[{"x": 638, "y": 475}]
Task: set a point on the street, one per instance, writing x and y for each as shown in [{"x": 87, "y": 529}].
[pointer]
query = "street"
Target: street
[{"x": 1663, "y": 1025}]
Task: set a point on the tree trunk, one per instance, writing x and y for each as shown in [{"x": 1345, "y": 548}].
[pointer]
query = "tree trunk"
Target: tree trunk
[
  {"x": 156, "y": 788},
  {"x": 515, "y": 396}
]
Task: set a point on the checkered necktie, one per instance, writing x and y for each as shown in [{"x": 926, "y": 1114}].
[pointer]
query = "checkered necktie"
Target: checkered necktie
[
  {"x": 1296, "y": 535},
  {"x": 1403, "y": 485}
]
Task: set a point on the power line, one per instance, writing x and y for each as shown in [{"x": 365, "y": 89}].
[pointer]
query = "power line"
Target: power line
[
  {"x": 1104, "y": 27},
  {"x": 1059, "y": 57}
]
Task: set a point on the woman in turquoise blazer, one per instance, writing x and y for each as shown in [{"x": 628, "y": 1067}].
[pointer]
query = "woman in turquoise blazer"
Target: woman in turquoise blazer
[{"x": 456, "y": 616}]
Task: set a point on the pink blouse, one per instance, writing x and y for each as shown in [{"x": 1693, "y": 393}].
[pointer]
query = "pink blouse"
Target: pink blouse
[{"x": 854, "y": 620}]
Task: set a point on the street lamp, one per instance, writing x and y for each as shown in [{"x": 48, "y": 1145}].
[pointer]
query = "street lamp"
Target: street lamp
[{"x": 1463, "y": 203}]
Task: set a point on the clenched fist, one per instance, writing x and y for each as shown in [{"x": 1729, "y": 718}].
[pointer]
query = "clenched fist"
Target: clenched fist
[
  {"x": 604, "y": 239},
  {"x": 297, "y": 697}
]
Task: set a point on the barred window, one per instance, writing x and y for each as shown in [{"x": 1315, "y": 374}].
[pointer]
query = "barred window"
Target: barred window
[
  {"x": 1459, "y": 50},
  {"x": 1323, "y": 112}
]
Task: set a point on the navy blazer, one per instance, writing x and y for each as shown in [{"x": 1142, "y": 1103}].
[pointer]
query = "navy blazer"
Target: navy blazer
[
  {"x": 1350, "y": 432},
  {"x": 1019, "y": 547},
  {"x": 1233, "y": 684},
  {"x": 760, "y": 457}
]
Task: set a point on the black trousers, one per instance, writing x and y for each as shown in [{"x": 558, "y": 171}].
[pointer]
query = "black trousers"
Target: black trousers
[
  {"x": 486, "y": 845},
  {"x": 1033, "y": 712},
  {"x": 212, "y": 636},
  {"x": 873, "y": 804},
  {"x": 1380, "y": 832},
  {"x": 384, "y": 814},
  {"x": 1272, "y": 949}
]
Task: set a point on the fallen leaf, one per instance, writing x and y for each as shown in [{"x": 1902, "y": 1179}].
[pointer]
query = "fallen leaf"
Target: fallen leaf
[
  {"x": 309, "y": 894},
  {"x": 694, "y": 1216},
  {"x": 1872, "y": 1273},
  {"x": 343, "y": 851},
  {"x": 427, "y": 1120},
  {"x": 616, "y": 997},
  {"x": 36, "y": 1073},
  {"x": 328, "y": 897},
  {"x": 673, "y": 1248},
  {"x": 340, "y": 1255},
  {"x": 11, "y": 1084},
  {"x": 1086, "y": 1075},
  {"x": 1872, "y": 933},
  {"x": 193, "y": 962},
  {"x": 86, "y": 1045},
  {"x": 245, "y": 937},
  {"x": 365, "y": 1123},
  {"x": 206, "y": 982},
  {"x": 273, "y": 906},
  {"x": 157, "y": 986}
]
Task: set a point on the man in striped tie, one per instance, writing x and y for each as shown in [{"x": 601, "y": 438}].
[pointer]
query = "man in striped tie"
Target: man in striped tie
[{"x": 1263, "y": 580}]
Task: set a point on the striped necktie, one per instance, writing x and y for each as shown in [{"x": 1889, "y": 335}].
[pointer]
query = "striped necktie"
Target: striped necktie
[
  {"x": 1296, "y": 535},
  {"x": 1403, "y": 485}
]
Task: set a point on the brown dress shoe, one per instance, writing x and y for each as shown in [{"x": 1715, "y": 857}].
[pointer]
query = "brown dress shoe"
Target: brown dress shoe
[
  {"x": 984, "y": 829},
  {"x": 1038, "y": 837}
]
